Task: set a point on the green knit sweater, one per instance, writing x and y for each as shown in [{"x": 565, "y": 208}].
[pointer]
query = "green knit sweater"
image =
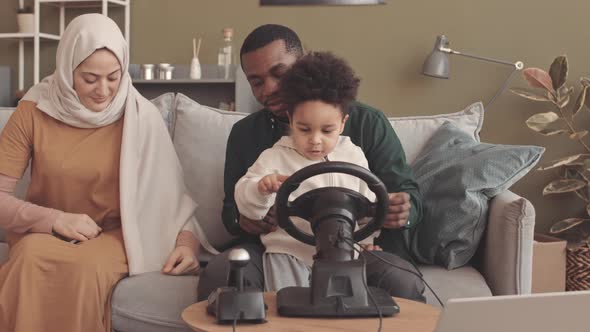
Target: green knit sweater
[{"x": 366, "y": 127}]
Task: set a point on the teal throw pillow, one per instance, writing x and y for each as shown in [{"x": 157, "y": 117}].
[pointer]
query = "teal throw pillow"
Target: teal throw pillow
[{"x": 457, "y": 177}]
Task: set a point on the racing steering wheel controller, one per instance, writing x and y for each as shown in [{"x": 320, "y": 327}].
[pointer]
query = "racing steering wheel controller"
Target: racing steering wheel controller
[{"x": 338, "y": 281}]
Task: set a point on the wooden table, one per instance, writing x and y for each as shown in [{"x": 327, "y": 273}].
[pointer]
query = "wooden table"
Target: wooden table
[{"x": 413, "y": 317}]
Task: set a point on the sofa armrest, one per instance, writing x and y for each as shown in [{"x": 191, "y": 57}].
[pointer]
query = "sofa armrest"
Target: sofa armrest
[{"x": 508, "y": 247}]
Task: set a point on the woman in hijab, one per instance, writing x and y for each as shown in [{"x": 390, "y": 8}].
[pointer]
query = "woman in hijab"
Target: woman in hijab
[{"x": 106, "y": 198}]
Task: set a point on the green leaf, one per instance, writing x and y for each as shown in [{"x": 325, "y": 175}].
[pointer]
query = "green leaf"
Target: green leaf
[
  {"x": 581, "y": 100},
  {"x": 563, "y": 101},
  {"x": 558, "y": 71},
  {"x": 578, "y": 134},
  {"x": 546, "y": 123},
  {"x": 543, "y": 118},
  {"x": 581, "y": 173},
  {"x": 580, "y": 193},
  {"x": 565, "y": 91},
  {"x": 563, "y": 186},
  {"x": 587, "y": 101},
  {"x": 538, "y": 78},
  {"x": 586, "y": 175},
  {"x": 563, "y": 225},
  {"x": 552, "y": 132},
  {"x": 562, "y": 161},
  {"x": 529, "y": 94}
]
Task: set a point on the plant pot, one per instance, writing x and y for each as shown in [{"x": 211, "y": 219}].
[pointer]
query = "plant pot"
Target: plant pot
[
  {"x": 26, "y": 22},
  {"x": 548, "y": 264},
  {"x": 578, "y": 268}
]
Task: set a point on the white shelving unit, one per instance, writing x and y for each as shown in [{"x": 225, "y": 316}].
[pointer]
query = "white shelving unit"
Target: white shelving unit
[{"x": 37, "y": 36}]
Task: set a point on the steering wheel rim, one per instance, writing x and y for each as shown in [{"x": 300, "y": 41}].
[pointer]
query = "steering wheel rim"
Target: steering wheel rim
[{"x": 283, "y": 206}]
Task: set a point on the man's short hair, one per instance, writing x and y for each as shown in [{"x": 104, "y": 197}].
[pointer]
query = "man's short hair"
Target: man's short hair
[
  {"x": 319, "y": 76},
  {"x": 268, "y": 33}
]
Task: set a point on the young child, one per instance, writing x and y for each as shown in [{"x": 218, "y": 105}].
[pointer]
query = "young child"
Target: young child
[{"x": 317, "y": 91}]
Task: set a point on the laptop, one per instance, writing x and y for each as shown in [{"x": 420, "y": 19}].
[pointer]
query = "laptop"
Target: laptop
[{"x": 548, "y": 312}]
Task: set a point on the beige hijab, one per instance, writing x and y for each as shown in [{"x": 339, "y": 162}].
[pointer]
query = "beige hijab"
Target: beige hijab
[{"x": 155, "y": 205}]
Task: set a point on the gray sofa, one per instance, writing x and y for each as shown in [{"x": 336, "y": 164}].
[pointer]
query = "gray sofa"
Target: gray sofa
[{"x": 154, "y": 302}]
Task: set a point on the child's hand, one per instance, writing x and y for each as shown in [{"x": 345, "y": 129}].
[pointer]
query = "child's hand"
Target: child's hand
[
  {"x": 371, "y": 247},
  {"x": 271, "y": 183}
]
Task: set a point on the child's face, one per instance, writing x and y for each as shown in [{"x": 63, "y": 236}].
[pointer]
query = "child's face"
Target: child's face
[{"x": 315, "y": 128}]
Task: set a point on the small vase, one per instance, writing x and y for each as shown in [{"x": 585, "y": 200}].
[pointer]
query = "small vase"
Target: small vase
[
  {"x": 195, "y": 72},
  {"x": 26, "y": 22}
]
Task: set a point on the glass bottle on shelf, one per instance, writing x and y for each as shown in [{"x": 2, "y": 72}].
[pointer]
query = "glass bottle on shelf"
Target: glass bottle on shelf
[{"x": 225, "y": 60}]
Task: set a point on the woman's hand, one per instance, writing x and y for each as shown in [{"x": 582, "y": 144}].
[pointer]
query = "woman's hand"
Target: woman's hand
[
  {"x": 182, "y": 260},
  {"x": 78, "y": 227}
]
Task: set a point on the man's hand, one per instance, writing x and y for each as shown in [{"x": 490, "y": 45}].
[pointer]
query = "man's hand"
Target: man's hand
[
  {"x": 271, "y": 183},
  {"x": 256, "y": 227},
  {"x": 78, "y": 227},
  {"x": 398, "y": 211},
  {"x": 181, "y": 261}
]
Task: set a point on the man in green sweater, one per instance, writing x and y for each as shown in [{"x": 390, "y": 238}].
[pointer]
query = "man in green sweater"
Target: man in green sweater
[{"x": 267, "y": 53}]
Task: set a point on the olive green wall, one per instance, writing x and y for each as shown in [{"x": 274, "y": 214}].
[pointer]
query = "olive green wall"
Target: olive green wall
[{"x": 387, "y": 45}]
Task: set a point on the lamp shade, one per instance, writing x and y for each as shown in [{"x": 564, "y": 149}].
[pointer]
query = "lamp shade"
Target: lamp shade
[{"x": 437, "y": 62}]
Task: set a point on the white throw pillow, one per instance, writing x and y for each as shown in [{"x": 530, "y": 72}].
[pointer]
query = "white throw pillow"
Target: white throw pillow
[
  {"x": 200, "y": 138},
  {"x": 415, "y": 131}
]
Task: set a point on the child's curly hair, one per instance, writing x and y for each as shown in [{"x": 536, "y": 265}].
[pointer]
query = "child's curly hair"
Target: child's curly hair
[{"x": 319, "y": 76}]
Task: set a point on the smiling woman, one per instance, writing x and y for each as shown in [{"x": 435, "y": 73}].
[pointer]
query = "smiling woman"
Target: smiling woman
[
  {"x": 96, "y": 80},
  {"x": 92, "y": 140}
]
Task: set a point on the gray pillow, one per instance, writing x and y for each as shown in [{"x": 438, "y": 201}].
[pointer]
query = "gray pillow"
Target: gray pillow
[
  {"x": 166, "y": 104},
  {"x": 457, "y": 177}
]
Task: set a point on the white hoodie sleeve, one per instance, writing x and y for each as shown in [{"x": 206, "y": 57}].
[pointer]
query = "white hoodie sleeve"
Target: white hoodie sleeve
[{"x": 251, "y": 203}]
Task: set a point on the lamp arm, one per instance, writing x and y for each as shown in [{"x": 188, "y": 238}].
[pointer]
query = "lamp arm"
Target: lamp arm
[
  {"x": 517, "y": 65},
  {"x": 504, "y": 85}
]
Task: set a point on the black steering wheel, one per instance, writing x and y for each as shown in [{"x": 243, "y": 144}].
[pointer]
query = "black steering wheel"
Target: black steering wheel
[{"x": 331, "y": 201}]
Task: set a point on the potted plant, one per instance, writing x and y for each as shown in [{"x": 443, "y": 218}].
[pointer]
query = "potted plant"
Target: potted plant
[
  {"x": 572, "y": 172},
  {"x": 25, "y": 19}
]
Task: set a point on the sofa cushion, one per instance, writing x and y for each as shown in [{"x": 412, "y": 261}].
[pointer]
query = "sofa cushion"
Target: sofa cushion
[
  {"x": 415, "y": 131},
  {"x": 200, "y": 137},
  {"x": 5, "y": 113},
  {"x": 462, "y": 282},
  {"x": 457, "y": 176},
  {"x": 3, "y": 252},
  {"x": 152, "y": 302},
  {"x": 4, "y": 116},
  {"x": 165, "y": 103}
]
